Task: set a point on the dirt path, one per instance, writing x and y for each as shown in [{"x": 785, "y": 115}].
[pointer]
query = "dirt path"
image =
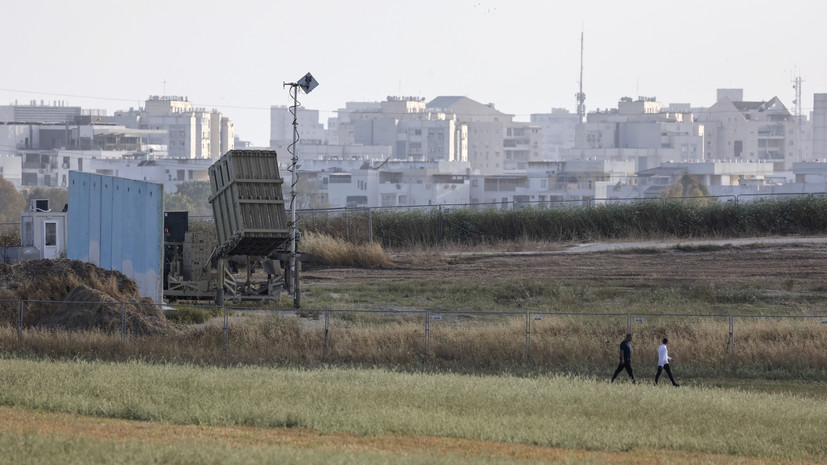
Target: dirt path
[
  {"x": 769, "y": 262},
  {"x": 62, "y": 425}
]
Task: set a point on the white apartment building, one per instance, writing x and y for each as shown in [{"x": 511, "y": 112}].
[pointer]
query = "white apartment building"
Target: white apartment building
[
  {"x": 751, "y": 131},
  {"x": 343, "y": 117},
  {"x": 38, "y": 146},
  {"x": 187, "y": 132},
  {"x": 339, "y": 183},
  {"x": 311, "y": 132},
  {"x": 167, "y": 171},
  {"x": 380, "y": 188},
  {"x": 495, "y": 142},
  {"x": 553, "y": 183},
  {"x": 640, "y": 130},
  {"x": 311, "y": 155},
  {"x": 412, "y": 130},
  {"x": 44, "y": 112},
  {"x": 521, "y": 145},
  {"x": 558, "y": 132}
]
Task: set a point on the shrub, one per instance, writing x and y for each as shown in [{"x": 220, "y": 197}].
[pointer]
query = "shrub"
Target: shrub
[
  {"x": 327, "y": 250},
  {"x": 189, "y": 315}
]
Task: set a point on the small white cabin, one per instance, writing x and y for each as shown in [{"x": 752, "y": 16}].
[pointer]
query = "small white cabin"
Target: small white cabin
[{"x": 44, "y": 229}]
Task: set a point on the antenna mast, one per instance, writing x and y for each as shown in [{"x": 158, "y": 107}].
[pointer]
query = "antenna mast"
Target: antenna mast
[
  {"x": 581, "y": 97},
  {"x": 797, "y": 81},
  {"x": 797, "y": 84}
]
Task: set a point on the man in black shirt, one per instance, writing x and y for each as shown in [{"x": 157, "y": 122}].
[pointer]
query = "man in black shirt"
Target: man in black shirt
[{"x": 625, "y": 358}]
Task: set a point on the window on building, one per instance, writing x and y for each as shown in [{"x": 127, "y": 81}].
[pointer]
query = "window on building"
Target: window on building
[{"x": 28, "y": 231}]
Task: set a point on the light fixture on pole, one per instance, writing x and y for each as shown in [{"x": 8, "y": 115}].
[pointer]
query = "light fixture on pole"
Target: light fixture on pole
[{"x": 307, "y": 84}]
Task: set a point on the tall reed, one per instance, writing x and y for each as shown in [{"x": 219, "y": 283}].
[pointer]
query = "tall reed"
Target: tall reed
[{"x": 651, "y": 218}]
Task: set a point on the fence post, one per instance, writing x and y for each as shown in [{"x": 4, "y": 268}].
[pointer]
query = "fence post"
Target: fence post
[
  {"x": 439, "y": 225},
  {"x": 123, "y": 322},
  {"x": 326, "y": 333},
  {"x": 427, "y": 329},
  {"x": 20, "y": 320},
  {"x": 730, "y": 344},
  {"x": 528, "y": 335},
  {"x": 226, "y": 331},
  {"x": 370, "y": 224},
  {"x": 628, "y": 323}
]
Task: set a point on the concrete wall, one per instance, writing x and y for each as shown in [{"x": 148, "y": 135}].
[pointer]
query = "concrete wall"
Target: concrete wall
[{"x": 117, "y": 224}]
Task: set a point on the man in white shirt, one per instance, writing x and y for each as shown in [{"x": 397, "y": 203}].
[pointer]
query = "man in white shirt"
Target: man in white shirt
[{"x": 663, "y": 362}]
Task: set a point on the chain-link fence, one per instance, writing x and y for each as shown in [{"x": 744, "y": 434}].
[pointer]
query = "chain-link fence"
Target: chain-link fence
[{"x": 398, "y": 337}]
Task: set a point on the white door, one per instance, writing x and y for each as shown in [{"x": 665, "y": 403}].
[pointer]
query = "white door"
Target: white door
[{"x": 50, "y": 239}]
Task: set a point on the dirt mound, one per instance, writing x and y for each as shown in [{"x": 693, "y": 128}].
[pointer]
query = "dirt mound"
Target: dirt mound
[
  {"x": 54, "y": 279},
  {"x": 87, "y": 309},
  {"x": 46, "y": 283}
]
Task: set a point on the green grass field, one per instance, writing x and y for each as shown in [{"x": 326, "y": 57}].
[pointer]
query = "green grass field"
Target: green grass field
[{"x": 547, "y": 411}]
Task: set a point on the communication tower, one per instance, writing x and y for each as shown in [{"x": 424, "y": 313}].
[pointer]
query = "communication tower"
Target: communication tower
[
  {"x": 797, "y": 82},
  {"x": 581, "y": 97}
]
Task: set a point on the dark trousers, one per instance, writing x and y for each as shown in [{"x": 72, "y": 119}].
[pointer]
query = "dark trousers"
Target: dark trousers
[
  {"x": 668, "y": 372},
  {"x": 628, "y": 366}
]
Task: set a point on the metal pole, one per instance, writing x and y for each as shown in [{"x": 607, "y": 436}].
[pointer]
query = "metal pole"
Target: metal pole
[
  {"x": 123, "y": 322},
  {"x": 19, "y": 320},
  {"x": 294, "y": 89},
  {"x": 326, "y": 333},
  {"x": 528, "y": 335}
]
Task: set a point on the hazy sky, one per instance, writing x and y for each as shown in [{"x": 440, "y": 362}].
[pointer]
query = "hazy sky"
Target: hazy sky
[{"x": 524, "y": 56}]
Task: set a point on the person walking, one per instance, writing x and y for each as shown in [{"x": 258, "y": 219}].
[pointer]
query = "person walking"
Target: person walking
[
  {"x": 625, "y": 358},
  {"x": 663, "y": 363}
]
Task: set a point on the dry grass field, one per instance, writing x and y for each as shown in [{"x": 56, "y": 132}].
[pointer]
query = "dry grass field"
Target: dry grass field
[
  {"x": 110, "y": 437},
  {"x": 778, "y": 363}
]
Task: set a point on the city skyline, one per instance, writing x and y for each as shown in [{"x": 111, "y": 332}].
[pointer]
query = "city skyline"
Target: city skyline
[{"x": 523, "y": 56}]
